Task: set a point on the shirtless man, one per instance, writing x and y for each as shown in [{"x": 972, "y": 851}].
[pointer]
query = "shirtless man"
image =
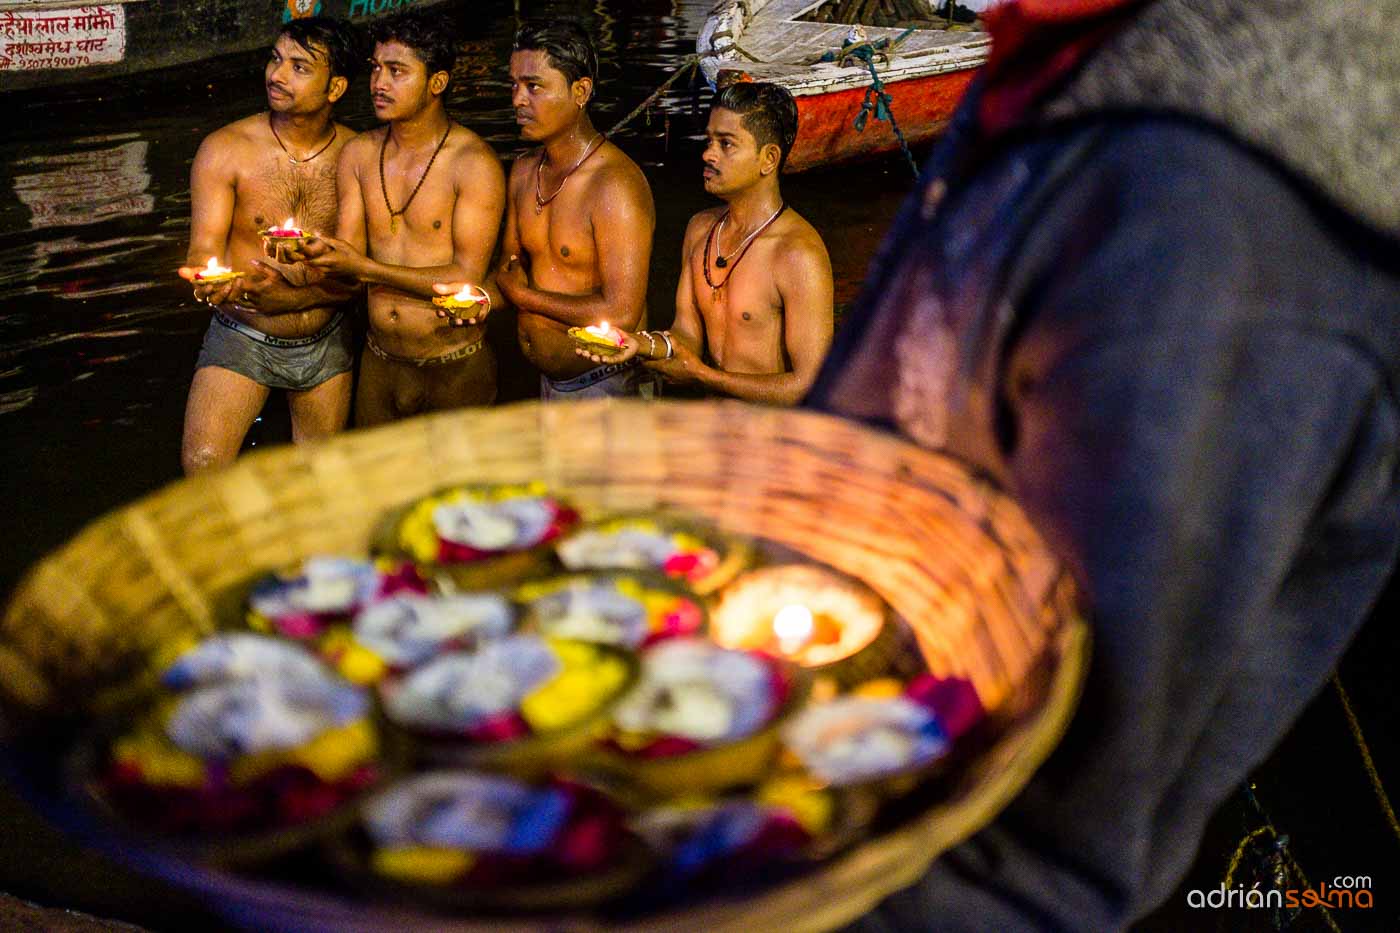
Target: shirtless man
[
  {"x": 754, "y": 303},
  {"x": 420, "y": 202},
  {"x": 267, "y": 333},
  {"x": 579, "y": 221}
]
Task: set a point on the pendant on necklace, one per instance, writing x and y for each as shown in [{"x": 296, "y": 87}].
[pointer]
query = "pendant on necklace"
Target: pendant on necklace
[
  {"x": 393, "y": 223},
  {"x": 721, "y": 262},
  {"x": 539, "y": 208}
]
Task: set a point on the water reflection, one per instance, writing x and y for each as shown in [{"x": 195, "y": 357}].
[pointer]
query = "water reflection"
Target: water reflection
[{"x": 86, "y": 186}]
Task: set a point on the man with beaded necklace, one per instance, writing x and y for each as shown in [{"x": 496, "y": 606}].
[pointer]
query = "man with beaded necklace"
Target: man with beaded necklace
[
  {"x": 271, "y": 329},
  {"x": 754, "y": 302},
  {"x": 421, "y": 200},
  {"x": 580, "y": 220}
]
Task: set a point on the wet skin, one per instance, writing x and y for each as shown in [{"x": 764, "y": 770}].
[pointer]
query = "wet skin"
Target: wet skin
[
  {"x": 763, "y": 333},
  {"x": 447, "y": 233},
  {"x": 584, "y": 257},
  {"x": 242, "y": 182}
]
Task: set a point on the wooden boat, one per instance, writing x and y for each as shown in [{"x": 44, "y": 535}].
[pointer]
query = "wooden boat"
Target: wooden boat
[
  {"x": 45, "y": 43},
  {"x": 925, "y": 72}
]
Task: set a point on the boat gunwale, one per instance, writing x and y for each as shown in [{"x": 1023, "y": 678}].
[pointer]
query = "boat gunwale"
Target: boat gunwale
[{"x": 718, "y": 47}]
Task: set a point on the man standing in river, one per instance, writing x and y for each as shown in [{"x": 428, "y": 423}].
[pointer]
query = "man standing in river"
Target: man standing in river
[
  {"x": 579, "y": 221},
  {"x": 421, "y": 200},
  {"x": 754, "y": 303},
  {"x": 268, "y": 333}
]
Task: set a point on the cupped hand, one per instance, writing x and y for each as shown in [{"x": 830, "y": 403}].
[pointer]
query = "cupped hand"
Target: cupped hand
[
  {"x": 216, "y": 293},
  {"x": 332, "y": 254},
  {"x": 631, "y": 345},
  {"x": 478, "y": 311}
]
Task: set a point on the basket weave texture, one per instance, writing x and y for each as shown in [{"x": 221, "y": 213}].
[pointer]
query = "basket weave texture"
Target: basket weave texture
[{"x": 948, "y": 551}]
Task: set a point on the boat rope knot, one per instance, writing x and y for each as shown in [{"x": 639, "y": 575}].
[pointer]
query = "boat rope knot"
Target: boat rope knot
[{"x": 877, "y": 100}]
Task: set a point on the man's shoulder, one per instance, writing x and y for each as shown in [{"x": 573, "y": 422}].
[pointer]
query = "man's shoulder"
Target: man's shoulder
[
  {"x": 702, "y": 221},
  {"x": 797, "y": 237},
  {"x": 468, "y": 147},
  {"x": 617, "y": 176},
  {"x": 249, "y": 130},
  {"x": 364, "y": 143}
]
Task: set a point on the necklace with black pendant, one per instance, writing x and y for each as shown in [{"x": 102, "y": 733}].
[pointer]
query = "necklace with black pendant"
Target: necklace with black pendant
[{"x": 732, "y": 260}]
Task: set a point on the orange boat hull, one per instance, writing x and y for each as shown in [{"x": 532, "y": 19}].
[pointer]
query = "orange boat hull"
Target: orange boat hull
[{"x": 826, "y": 132}]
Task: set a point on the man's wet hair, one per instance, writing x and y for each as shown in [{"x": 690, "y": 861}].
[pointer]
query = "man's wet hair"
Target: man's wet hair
[
  {"x": 567, "y": 43},
  {"x": 341, "y": 43},
  {"x": 768, "y": 111},
  {"x": 431, "y": 36}
]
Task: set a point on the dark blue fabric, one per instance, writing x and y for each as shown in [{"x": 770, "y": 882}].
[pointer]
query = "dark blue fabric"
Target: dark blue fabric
[{"x": 1184, "y": 368}]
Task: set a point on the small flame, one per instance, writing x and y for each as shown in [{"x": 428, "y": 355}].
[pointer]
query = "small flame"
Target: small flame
[
  {"x": 793, "y": 626},
  {"x": 468, "y": 292},
  {"x": 289, "y": 224},
  {"x": 214, "y": 268},
  {"x": 605, "y": 331}
]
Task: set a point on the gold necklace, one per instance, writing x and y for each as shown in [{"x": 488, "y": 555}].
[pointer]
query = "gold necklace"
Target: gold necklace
[{"x": 541, "y": 200}]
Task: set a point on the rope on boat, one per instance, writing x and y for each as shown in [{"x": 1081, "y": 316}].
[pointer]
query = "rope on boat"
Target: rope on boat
[
  {"x": 1366, "y": 760},
  {"x": 685, "y": 66},
  {"x": 877, "y": 100}
]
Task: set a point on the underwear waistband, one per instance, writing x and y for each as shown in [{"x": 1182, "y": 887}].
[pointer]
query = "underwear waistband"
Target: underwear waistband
[
  {"x": 451, "y": 356},
  {"x": 283, "y": 342}
]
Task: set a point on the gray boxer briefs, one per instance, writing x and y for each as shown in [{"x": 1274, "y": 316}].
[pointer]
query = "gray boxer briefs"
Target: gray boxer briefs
[{"x": 277, "y": 362}]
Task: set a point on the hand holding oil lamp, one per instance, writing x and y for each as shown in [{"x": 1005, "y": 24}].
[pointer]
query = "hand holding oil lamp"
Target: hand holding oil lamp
[
  {"x": 470, "y": 302},
  {"x": 282, "y": 242},
  {"x": 601, "y": 338},
  {"x": 215, "y": 274}
]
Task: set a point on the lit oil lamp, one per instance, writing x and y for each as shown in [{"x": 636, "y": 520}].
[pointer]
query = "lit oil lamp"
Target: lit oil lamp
[
  {"x": 214, "y": 274},
  {"x": 813, "y": 616},
  {"x": 601, "y": 338},
  {"x": 280, "y": 241},
  {"x": 465, "y": 302}
]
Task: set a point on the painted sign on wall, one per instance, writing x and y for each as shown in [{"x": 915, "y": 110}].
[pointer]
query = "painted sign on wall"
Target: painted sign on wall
[
  {"x": 376, "y": 7},
  {"x": 71, "y": 38}
]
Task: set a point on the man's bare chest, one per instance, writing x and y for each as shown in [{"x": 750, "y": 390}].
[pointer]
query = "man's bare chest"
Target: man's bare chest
[
  {"x": 273, "y": 191},
  {"x": 560, "y": 234}
]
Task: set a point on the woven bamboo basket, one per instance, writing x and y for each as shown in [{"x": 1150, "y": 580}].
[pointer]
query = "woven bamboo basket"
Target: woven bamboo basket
[{"x": 947, "y": 550}]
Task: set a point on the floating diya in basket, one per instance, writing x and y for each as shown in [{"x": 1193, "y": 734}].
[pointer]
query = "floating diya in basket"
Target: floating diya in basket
[
  {"x": 282, "y": 242},
  {"x": 465, "y": 302},
  {"x": 701, "y": 719},
  {"x": 520, "y": 704},
  {"x": 256, "y": 750},
  {"x": 478, "y": 536},
  {"x": 631, "y": 610},
  {"x": 788, "y": 819},
  {"x": 475, "y": 840},
  {"x": 405, "y": 631},
  {"x": 829, "y": 623},
  {"x": 215, "y": 274},
  {"x": 700, "y": 556},
  {"x": 602, "y": 338}
]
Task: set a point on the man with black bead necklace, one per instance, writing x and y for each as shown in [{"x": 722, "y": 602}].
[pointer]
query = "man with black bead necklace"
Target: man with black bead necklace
[
  {"x": 579, "y": 222},
  {"x": 754, "y": 302},
  {"x": 421, "y": 200}
]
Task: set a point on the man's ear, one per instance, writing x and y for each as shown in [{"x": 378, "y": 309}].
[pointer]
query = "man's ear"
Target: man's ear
[
  {"x": 339, "y": 85},
  {"x": 438, "y": 82},
  {"x": 769, "y": 158},
  {"x": 582, "y": 91}
]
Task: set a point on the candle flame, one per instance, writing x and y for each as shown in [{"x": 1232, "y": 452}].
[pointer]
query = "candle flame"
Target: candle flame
[
  {"x": 214, "y": 268},
  {"x": 793, "y": 625},
  {"x": 468, "y": 292},
  {"x": 289, "y": 224}
]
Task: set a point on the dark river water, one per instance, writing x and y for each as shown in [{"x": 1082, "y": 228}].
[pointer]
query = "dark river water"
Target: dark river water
[{"x": 98, "y": 336}]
